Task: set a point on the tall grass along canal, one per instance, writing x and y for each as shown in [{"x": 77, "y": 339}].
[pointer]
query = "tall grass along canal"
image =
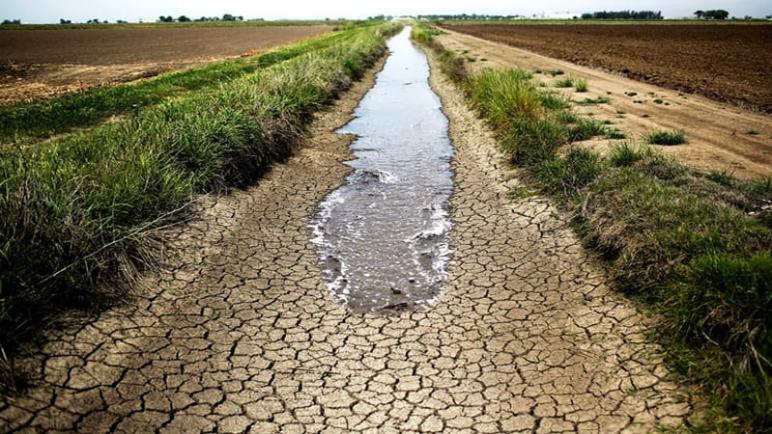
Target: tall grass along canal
[{"x": 383, "y": 236}]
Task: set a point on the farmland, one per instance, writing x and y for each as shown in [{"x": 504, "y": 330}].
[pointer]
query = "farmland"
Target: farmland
[
  {"x": 723, "y": 62},
  {"x": 44, "y": 62},
  {"x": 384, "y": 226}
]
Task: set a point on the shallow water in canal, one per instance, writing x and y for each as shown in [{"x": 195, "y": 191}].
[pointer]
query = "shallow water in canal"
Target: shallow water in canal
[{"x": 383, "y": 236}]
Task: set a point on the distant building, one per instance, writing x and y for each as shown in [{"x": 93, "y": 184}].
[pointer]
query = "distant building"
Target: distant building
[{"x": 555, "y": 15}]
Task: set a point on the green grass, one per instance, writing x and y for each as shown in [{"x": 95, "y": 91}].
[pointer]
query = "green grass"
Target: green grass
[
  {"x": 580, "y": 85},
  {"x": 694, "y": 248},
  {"x": 666, "y": 137},
  {"x": 614, "y": 134},
  {"x": 585, "y": 129},
  {"x": 594, "y": 101},
  {"x": 564, "y": 83},
  {"x": 46, "y": 117},
  {"x": 78, "y": 208}
]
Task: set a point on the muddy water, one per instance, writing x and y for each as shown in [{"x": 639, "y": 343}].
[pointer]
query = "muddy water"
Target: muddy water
[{"x": 383, "y": 236}]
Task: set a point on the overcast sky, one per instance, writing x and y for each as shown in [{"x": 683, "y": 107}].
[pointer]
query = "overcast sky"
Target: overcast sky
[{"x": 46, "y": 11}]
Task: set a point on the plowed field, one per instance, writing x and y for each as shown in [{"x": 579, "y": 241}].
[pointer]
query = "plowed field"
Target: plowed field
[
  {"x": 36, "y": 63},
  {"x": 729, "y": 63}
]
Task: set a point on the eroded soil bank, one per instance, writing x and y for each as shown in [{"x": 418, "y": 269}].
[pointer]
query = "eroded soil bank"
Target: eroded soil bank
[{"x": 239, "y": 332}]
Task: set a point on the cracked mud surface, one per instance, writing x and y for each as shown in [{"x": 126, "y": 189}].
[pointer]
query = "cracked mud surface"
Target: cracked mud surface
[{"x": 238, "y": 333}]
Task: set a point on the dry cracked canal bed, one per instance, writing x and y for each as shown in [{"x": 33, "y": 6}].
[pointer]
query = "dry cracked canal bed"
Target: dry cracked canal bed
[{"x": 238, "y": 331}]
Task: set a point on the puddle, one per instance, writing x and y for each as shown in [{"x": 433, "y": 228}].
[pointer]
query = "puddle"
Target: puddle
[{"x": 383, "y": 236}]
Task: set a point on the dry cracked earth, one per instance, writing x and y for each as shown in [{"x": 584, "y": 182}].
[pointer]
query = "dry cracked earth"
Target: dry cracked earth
[{"x": 238, "y": 332}]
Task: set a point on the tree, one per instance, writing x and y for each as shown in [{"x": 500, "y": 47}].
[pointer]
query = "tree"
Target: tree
[
  {"x": 63, "y": 21},
  {"x": 228, "y": 17},
  {"x": 165, "y": 19},
  {"x": 716, "y": 14},
  {"x": 93, "y": 21},
  {"x": 699, "y": 14},
  {"x": 7, "y": 22},
  {"x": 183, "y": 19}
]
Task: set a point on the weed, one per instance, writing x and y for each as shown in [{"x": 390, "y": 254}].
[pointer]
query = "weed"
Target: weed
[
  {"x": 624, "y": 154},
  {"x": 568, "y": 174},
  {"x": 615, "y": 134},
  {"x": 520, "y": 193},
  {"x": 594, "y": 101},
  {"x": 585, "y": 129},
  {"x": 666, "y": 137},
  {"x": 580, "y": 85},
  {"x": 564, "y": 82},
  {"x": 631, "y": 93},
  {"x": 723, "y": 178},
  {"x": 555, "y": 72}
]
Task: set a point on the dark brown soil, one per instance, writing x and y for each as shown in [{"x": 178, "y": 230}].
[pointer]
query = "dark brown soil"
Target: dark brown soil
[
  {"x": 120, "y": 46},
  {"x": 728, "y": 63},
  {"x": 42, "y": 63}
]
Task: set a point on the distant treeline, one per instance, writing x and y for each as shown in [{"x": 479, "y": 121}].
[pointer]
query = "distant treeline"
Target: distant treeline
[
  {"x": 712, "y": 14},
  {"x": 7, "y": 22},
  {"x": 467, "y": 17},
  {"x": 623, "y": 15},
  {"x": 184, "y": 19}
]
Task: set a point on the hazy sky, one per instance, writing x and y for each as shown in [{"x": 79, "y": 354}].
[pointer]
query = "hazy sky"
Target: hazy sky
[{"x": 42, "y": 11}]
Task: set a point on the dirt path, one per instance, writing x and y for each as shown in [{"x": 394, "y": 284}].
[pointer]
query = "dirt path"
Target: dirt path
[
  {"x": 240, "y": 334},
  {"x": 720, "y": 136}
]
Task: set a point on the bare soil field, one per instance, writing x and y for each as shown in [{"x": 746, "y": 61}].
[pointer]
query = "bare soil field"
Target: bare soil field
[
  {"x": 39, "y": 63},
  {"x": 728, "y": 63},
  {"x": 720, "y": 137}
]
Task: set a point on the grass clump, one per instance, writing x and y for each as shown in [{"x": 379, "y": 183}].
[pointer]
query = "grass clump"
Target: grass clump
[
  {"x": 564, "y": 82},
  {"x": 519, "y": 112},
  {"x": 625, "y": 155},
  {"x": 568, "y": 174},
  {"x": 555, "y": 72},
  {"x": 580, "y": 85},
  {"x": 585, "y": 129},
  {"x": 594, "y": 101},
  {"x": 666, "y": 137},
  {"x": 614, "y": 134},
  {"x": 79, "y": 208}
]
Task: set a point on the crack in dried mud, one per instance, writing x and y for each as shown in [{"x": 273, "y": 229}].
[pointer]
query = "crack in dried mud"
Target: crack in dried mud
[{"x": 238, "y": 333}]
